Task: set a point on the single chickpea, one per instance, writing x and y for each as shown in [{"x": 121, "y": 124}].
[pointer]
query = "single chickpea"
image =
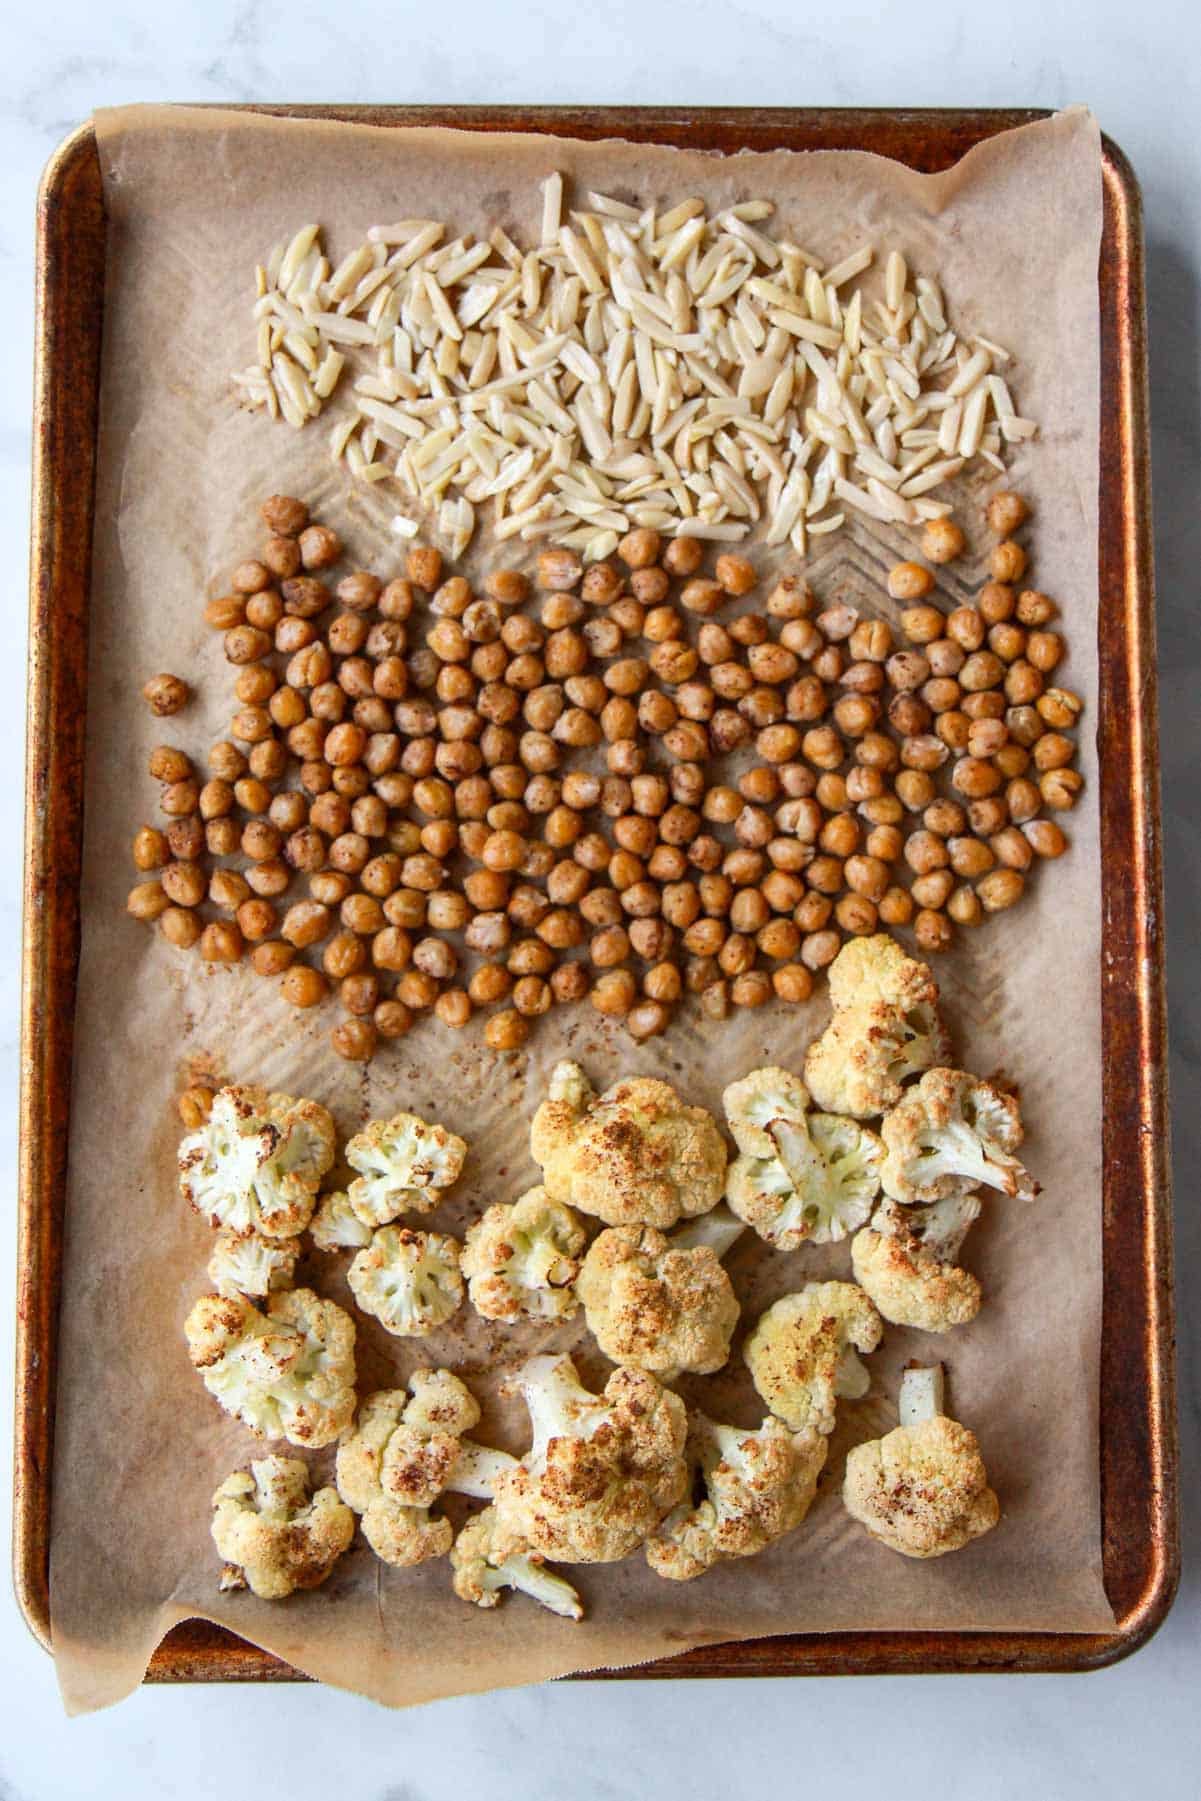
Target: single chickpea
[
  {"x": 1059, "y": 708},
  {"x": 570, "y": 982},
  {"x": 417, "y": 990},
  {"x": 922, "y": 625},
  {"x": 1044, "y": 650},
  {"x": 272, "y": 957},
  {"x": 933, "y": 931},
  {"x": 225, "y": 611},
  {"x": 506, "y": 1031},
  {"x": 356, "y": 1040},
  {"x": 221, "y": 837},
  {"x": 319, "y": 546},
  {"x": 1006, "y": 512},
  {"x": 1035, "y": 608},
  {"x": 1000, "y": 889},
  {"x": 736, "y": 574},
  {"x": 987, "y": 816},
  {"x": 195, "y": 1106},
  {"x": 909, "y": 581},
  {"x": 896, "y": 907},
  {"x": 819, "y": 949},
  {"x": 180, "y": 927},
  {"x": 931, "y": 891},
  {"x": 1007, "y": 562},
  {"x": 942, "y": 541},
  {"x": 614, "y": 993},
  {"x": 702, "y": 596},
  {"x": 221, "y": 942},
  {"x": 559, "y": 571},
  {"x": 491, "y": 982},
  {"x": 150, "y": 850},
  {"x": 186, "y": 838},
  {"x": 1023, "y": 683},
  {"x": 1007, "y": 641},
  {"x": 1060, "y": 788},
  {"x": 963, "y": 906},
  {"x": 1045, "y": 837},
  {"x": 257, "y": 919},
  {"x": 532, "y": 996}
]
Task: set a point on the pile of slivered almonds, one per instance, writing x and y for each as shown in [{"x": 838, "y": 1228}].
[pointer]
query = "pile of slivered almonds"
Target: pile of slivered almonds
[
  {"x": 635, "y": 369},
  {"x": 621, "y": 785}
]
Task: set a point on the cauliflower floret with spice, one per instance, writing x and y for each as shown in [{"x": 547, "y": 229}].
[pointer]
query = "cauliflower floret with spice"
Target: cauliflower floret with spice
[
  {"x": 758, "y": 1486},
  {"x": 336, "y": 1226},
  {"x": 657, "y": 1306},
  {"x": 402, "y": 1457},
  {"x": 483, "y": 1572},
  {"x": 635, "y": 1155},
  {"x": 602, "y": 1470},
  {"x": 801, "y": 1175},
  {"x": 885, "y": 1027},
  {"x": 520, "y": 1261},
  {"x": 950, "y": 1134},
  {"x": 409, "y": 1280},
  {"x": 256, "y": 1163},
  {"x": 802, "y": 1352},
  {"x": 922, "y": 1489},
  {"x": 273, "y": 1536},
  {"x": 252, "y": 1264},
  {"x": 286, "y": 1371},
  {"x": 905, "y": 1260},
  {"x": 404, "y": 1164}
]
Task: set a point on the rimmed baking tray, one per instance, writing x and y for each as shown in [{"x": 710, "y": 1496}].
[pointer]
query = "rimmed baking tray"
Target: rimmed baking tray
[{"x": 1138, "y": 1442}]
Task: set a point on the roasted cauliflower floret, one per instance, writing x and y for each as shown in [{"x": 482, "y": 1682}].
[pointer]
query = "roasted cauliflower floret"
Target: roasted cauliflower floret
[
  {"x": 256, "y": 1163},
  {"x": 482, "y": 1572},
  {"x": 409, "y": 1280},
  {"x": 801, "y": 1175},
  {"x": 286, "y": 1372},
  {"x": 885, "y": 1027},
  {"x": 922, "y": 1489},
  {"x": 952, "y": 1133},
  {"x": 521, "y": 1260},
  {"x": 336, "y": 1226},
  {"x": 400, "y": 1458},
  {"x": 251, "y": 1264},
  {"x": 656, "y": 1306},
  {"x": 274, "y": 1538},
  {"x": 404, "y": 1165},
  {"x": 905, "y": 1261},
  {"x": 636, "y": 1155},
  {"x": 758, "y": 1486},
  {"x": 602, "y": 1470},
  {"x": 801, "y": 1354}
]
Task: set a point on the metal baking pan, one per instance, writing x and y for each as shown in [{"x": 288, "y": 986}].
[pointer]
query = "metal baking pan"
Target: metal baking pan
[{"x": 1138, "y": 1430}]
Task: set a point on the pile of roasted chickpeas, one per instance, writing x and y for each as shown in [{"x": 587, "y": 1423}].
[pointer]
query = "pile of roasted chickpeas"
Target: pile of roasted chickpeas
[{"x": 614, "y": 783}]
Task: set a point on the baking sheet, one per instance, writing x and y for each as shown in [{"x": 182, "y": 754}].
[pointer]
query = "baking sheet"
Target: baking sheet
[{"x": 1014, "y": 232}]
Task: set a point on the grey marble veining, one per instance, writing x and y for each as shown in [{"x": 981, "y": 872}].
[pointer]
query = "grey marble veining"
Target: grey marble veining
[{"x": 979, "y": 1738}]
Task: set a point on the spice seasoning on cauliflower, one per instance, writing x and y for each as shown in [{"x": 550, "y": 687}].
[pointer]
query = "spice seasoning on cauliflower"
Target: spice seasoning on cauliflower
[
  {"x": 256, "y": 1163},
  {"x": 922, "y": 1489},
  {"x": 952, "y": 1133},
  {"x": 336, "y": 1226},
  {"x": 521, "y": 1260},
  {"x": 905, "y": 1261},
  {"x": 602, "y": 1470},
  {"x": 654, "y": 1305},
  {"x": 286, "y": 1372},
  {"x": 801, "y": 1354},
  {"x": 251, "y": 1264},
  {"x": 801, "y": 1175},
  {"x": 885, "y": 1027},
  {"x": 274, "y": 1538},
  {"x": 636, "y": 1155},
  {"x": 404, "y": 1163},
  {"x": 409, "y": 1280},
  {"x": 758, "y": 1486},
  {"x": 401, "y": 1457},
  {"x": 482, "y": 1572}
]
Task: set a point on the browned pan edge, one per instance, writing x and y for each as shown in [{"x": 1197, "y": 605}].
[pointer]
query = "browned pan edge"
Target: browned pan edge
[{"x": 1138, "y": 1425}]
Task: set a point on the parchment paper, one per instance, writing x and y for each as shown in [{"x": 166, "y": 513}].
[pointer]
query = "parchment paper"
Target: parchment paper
[{"x": 194, "y": 199}]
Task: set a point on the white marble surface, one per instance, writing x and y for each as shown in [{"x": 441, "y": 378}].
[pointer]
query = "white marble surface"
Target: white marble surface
[{"x": 1140, "y": 68}]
